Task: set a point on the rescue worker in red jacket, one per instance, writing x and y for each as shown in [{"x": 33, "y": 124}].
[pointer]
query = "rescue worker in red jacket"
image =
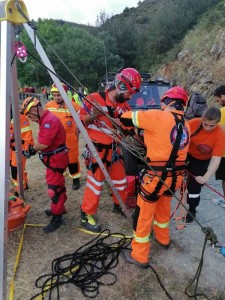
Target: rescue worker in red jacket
[
  {"x": 54, "y": 155},
  {"x": 27, "y": 139},
  {"x": 59, "y": 108},
  {"x": 166, "y": 135},
  {"x": 113, "y": 103}
]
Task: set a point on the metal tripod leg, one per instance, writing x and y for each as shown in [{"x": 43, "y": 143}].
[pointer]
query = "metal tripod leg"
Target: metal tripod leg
[{"x": 76, "y": 118}]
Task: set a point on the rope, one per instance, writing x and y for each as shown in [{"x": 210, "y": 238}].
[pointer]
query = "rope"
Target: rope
[
  {"x": 85, "y": 267},
  {"x": 160, "y": 282},
  {"x": 181, "y": 217},
  {"x": 209, "y": 235},
  {"x": 209, "y": 187}
]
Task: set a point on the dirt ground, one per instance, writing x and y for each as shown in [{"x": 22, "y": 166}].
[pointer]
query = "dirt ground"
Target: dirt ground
[{"x": 176, "y": 266}]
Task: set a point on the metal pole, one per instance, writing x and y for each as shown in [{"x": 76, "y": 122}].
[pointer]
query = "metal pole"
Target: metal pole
[
  {"x": 65, "y": 97},
  {"x": 17, "y": 129},
  {"x": 5, "y": 94}
]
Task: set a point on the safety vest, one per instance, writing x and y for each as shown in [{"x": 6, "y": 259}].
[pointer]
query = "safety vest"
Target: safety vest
[
  {"x": 63, "y": 113},
  {"x": 26, "y": 133}
]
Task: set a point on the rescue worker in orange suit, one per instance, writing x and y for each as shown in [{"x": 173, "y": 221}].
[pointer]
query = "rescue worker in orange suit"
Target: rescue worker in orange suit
[
  {"x": 53, "y": 153},
  {"x": 27, "y": 139},
  {"x": 59, "y": 108},
  {"x": 166, "y": 135},
  {"x": 113, "y": 103}
]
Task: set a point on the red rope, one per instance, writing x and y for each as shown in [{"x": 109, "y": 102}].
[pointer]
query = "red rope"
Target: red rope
[{"x": 208, "y": 186}]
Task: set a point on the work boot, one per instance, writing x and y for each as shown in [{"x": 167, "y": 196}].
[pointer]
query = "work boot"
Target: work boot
[
  {"x": 166, "y": 247},
  {"x": 126, "y": 255},
  {"x": 88, "y": 222},
  {"x": 189, "y": 218},
  {"x": 55, "y": 223},
  {"x": 117, "y": 209},
  {"x": 76, "y": 184},
  {"x": 49, "y": 213}
]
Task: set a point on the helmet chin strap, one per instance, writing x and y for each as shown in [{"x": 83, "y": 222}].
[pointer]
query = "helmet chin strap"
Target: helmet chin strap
[
  {"x": 36, "y": 115},
  {"x": 168, "y": 105}
]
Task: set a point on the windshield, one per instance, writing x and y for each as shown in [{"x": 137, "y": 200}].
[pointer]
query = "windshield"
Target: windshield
[{"x": 148, "y": 97}]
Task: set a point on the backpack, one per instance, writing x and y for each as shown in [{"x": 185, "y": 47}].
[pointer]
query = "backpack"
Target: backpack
[{"x": 196, "y": 106}]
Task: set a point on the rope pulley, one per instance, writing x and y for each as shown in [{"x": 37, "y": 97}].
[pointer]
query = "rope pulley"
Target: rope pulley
[
  {"x": 15, "y": 12},
  {"x": 21, "y": 51}
]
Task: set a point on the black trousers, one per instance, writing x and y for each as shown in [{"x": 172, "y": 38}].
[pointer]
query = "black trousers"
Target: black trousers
[{"x": 196, "y": 167}]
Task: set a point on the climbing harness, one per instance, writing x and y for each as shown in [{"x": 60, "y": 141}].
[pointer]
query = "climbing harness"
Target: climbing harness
[
  {"x": 169, "y": 167},
  {"x": 45, "y": 158}
]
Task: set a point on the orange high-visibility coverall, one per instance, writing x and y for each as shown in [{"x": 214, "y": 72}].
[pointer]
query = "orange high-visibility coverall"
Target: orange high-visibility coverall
[
  {"x": 63, "y": 113},
  {"x": 27, "y": 139},
  {"x": 159, "y": 136},
  {"x": 108, "y": 151}
]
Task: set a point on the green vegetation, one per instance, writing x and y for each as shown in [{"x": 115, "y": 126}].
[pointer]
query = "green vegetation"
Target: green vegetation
[{"x": 142, "y": 37}]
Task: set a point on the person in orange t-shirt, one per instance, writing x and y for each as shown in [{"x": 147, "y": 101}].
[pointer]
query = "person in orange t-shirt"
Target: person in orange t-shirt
[{"x": 204, "y": 155}]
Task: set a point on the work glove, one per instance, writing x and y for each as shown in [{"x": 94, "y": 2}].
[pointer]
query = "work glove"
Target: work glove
[{"x": 30, "y": 152}]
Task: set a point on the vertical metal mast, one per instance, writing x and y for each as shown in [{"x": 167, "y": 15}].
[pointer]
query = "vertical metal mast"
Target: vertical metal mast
[
  {"x": 9, "y": 15},
  {"x": 5, "y": 94}
]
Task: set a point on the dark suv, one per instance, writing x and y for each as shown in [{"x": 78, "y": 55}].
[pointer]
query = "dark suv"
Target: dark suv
[{"x": 150, "y": 94}]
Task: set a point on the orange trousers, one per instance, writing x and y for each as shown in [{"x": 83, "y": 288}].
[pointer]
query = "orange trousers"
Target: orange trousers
[
  {"x": 95, "y": 181},
  {"x": 152, "y": 214},
  {"x": 74, "y": 164},
  {"x": 13, "y": 165}
]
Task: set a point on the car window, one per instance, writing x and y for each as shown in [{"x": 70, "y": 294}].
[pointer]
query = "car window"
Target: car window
[{"x": 148, "y": 97}]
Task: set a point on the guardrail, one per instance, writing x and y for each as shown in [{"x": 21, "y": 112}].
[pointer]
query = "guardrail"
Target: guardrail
[{"x": 41, "y": 97}]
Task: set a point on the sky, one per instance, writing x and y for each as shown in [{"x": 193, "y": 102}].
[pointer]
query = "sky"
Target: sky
[{"x": 81, "y": 12}]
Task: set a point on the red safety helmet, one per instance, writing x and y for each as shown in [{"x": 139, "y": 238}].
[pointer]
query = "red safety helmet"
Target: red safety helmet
[
  {"x": 55, "y": 89},
  {"x": 128, "y": 80},
  {"x": 176, "y": 92}
]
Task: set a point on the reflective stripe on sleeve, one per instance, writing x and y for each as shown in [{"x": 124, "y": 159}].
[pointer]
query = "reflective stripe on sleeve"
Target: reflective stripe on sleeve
[{"x": 135, "y": 118}]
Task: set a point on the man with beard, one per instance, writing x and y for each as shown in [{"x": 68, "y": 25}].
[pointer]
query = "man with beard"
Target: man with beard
[{"x": 113, "y": 103}]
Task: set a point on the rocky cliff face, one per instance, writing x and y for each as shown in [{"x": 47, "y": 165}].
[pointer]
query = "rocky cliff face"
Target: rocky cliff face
[{"x": 202, "y": 68}]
